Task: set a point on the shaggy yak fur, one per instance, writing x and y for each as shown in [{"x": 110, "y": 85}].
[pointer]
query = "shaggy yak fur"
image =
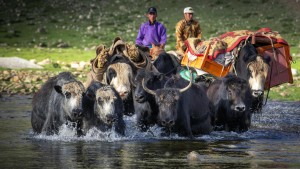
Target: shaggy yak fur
[
  {"x": 119, "y": 74},
  {"x": 253, "y": 68},
  {"x": 145, "y": 107},
  {"x": 103, "y": 109},
  {"x": 183, "y": 108},
  {"x": 57, "y": 102},
  {"x": 230, "y": 100}
]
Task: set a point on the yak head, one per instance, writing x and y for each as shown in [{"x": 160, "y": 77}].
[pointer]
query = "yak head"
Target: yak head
[
  {"x": 106, "y": 98},
  {"x": 167, "y": 100},
  {"x": 237, "y": 93},
  {"x": 72, "y": 93},
  {"x": 253, "y": 68},
  {"x": 120, "y": 75},
  {"x": 257, "y": 73}
]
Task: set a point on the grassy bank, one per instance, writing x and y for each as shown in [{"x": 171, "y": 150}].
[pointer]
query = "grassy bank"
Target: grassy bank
[{"x": 70, "y": 30}]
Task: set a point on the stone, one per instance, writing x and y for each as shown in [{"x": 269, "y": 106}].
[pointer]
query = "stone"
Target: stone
[
  {"x": 294, "y": 72},
  {"x": 15, "y": 79},
  {"x": 193, "y": 156}
]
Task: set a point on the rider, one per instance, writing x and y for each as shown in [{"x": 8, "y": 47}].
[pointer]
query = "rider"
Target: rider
[
  {"x": 152, "y": 32},
  {"x": 186, "y": 28}
]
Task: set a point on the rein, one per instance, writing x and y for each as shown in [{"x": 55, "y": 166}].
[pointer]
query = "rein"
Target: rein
[
  {"x": 269, "y": 85},
  {"x": 271, "y": 66}
]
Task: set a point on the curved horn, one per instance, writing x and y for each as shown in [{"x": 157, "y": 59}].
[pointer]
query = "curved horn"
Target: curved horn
[
  {"x": 146, "y": 89},
  {"x": 190, "y": 84},
  {"x": 132, "y": 82}
]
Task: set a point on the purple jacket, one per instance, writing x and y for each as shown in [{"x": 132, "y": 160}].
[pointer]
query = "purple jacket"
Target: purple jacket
[{"x": 148, "y": 34}]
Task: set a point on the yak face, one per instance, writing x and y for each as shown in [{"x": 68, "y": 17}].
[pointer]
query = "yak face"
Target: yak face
[
  {"x": 119, "y": 75},
  {"x": 235, "y": 99},
  {"x": 257, "y": 73},
  {"x": 236, "y": 92},
  {"x": 167, "y": 100},
  {"x": 104, "y": 105},
  {"x": 72, "y": 99}
]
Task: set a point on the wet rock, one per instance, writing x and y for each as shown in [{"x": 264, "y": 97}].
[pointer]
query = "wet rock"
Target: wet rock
[{"x": 193, "y": 156}]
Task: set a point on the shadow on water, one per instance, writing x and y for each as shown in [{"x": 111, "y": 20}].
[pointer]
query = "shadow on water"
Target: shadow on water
[{"x": 272, "y": 142}]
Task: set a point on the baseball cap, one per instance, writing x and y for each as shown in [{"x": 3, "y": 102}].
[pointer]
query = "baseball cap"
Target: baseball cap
[
  {"x": 152, "y": 10},
  {"x": 188, "y": 10}
]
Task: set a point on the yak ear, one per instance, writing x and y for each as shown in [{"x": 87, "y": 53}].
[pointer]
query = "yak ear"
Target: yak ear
[
  {"x": 58, "y": 89},
  {"x": 111, "y": 73},
  {"x": 249, "y": 52}
]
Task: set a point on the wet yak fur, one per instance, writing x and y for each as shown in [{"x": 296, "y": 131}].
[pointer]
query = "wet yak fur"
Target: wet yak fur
[
  {"x": 57, "y": 102},
  {"x": 253, "y": 68},
  {"x": 230, "y": 100},
  {"x": 119, "y": 73},
  {"x": 103, "y": 109},
  {"x": 184, "y": 111},
  {"x": 145, "y": 107}
]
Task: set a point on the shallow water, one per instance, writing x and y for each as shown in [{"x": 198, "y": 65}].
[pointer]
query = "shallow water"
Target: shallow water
[{"x": 272, "y": 142}]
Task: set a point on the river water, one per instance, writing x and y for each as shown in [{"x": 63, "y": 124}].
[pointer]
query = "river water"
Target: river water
[{"x": 272, "y": 142}]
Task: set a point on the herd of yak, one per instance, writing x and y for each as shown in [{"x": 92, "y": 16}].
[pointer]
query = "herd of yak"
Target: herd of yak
[{"x": 157, "y": 97}]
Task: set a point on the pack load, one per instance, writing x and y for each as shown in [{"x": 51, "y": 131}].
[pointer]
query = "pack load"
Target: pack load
[{"x": 216, "y": 56}]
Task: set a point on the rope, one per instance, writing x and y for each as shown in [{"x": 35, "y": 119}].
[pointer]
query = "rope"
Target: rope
[
  {"x": 269, "y": 85},
  {"x": 274, "y": 55}
]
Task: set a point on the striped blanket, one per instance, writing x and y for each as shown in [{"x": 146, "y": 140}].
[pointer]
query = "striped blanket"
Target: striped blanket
[{"x": 230, "y": 40}]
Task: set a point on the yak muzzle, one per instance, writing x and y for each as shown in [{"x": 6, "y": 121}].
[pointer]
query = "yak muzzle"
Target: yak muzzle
[{"x": 77, "y": 113}]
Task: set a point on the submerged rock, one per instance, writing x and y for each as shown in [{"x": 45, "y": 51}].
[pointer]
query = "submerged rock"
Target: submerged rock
[{"x": 193, "y": 156}]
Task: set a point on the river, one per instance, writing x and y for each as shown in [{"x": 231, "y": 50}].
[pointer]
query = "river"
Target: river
[{"x": 272, "y": 142}]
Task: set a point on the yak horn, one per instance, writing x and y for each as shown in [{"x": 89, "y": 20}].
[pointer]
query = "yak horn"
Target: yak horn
[
  {"x": 190, "y": 84},
  {"x": 132, "y": 82},
  {"x": 146, "y": 89}
]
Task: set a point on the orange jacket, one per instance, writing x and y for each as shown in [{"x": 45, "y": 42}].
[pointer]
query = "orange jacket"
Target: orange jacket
[{"x": 186, "y": 30}]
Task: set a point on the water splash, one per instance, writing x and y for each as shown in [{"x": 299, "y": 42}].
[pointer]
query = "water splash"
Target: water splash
[{"x": 277, "y": 121}]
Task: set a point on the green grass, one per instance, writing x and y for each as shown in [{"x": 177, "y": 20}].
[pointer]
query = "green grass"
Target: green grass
[
  {"x": 84, "y": 24},
  {"x": 54, "y": 54}
]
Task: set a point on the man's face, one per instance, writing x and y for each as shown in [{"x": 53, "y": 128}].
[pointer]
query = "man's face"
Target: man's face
[
  {"x": 188, "y": 16},
  {"x": 152, "y": 16}
]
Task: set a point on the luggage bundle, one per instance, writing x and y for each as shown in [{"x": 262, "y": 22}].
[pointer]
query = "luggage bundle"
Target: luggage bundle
[{"x": 217, "y": 55}]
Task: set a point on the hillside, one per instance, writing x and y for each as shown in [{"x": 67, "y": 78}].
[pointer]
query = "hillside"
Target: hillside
[{"x": 86, "y": 23}]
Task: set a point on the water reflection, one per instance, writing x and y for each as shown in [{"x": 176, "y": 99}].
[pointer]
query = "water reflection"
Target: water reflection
[{"x": 272, "y": 142}]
